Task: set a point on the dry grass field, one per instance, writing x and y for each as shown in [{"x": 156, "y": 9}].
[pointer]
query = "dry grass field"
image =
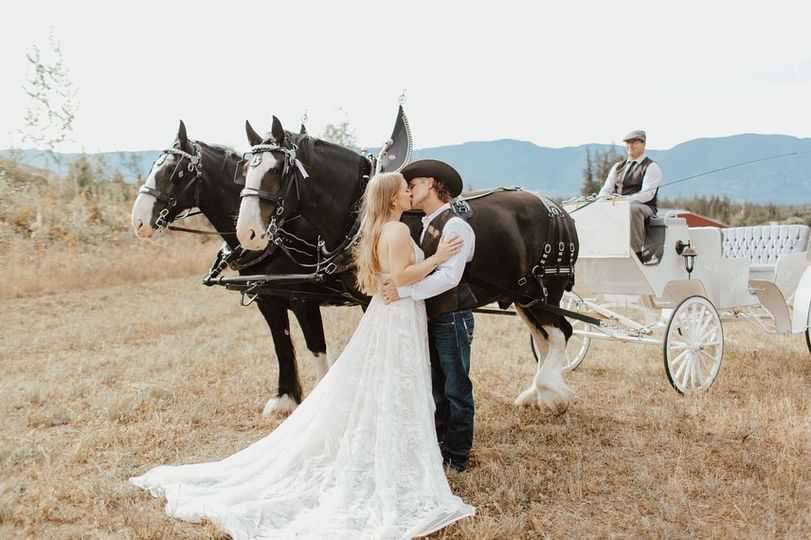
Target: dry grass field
[
  {"x": 114, "y": 359},
  {"x": 106, "y": 380}
]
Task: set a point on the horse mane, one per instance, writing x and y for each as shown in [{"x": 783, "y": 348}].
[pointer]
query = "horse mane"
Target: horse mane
[
  {"x": 227, "y": 149},
  {"x": 230, "y": 160},
  {"x": 316, "y": 151}
]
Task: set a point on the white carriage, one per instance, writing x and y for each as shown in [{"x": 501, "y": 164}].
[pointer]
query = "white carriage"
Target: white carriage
[{"x": 697, "y": 277}]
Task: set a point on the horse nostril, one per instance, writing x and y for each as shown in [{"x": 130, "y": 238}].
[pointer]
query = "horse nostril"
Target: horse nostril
[{"x": 253, "y": 234}]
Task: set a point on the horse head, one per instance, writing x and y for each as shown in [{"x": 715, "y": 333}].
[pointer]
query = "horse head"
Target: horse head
[
  {"x": 288, "y": 174},
  {"x": 171, "y": 186}
]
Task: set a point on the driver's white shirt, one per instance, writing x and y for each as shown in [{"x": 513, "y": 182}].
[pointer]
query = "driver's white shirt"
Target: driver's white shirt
[{"x": 651, "y": 181}]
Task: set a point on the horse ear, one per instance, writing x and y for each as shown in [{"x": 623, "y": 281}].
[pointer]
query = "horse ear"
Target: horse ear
[
  {"x": 277, "y": 131},
  {"x": 303, "y": 130},
  {"x": 253, "y": 137},
  {"x": 182, "y": 137}
]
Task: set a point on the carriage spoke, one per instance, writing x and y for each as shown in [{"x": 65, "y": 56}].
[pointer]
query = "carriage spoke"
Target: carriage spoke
[
  {"x": 695, "y": 373},
  {"x": 708, "y": 335},
  {"x": 709, "y": 357},
  {"x": 679, "y": 358},
  {"x": 685, "y": 373},
  {"x": 693, "y": 344},
  {"x": 682, "y": 361},
  {"x": 700, "y": 371},
  {"x": 705, "y": 322},
  {"x": 678, "y": 345}
]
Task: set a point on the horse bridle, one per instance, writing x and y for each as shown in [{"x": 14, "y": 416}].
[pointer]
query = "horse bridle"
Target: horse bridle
[
  {"x": 194, "y": 166},
  {"x": 292, "y": 166}
]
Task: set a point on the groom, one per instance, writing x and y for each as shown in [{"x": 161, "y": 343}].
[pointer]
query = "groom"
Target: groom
[{"x": 448, "y": 302}]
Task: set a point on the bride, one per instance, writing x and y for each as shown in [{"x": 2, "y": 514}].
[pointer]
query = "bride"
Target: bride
[{"x": 359, "y": 458}]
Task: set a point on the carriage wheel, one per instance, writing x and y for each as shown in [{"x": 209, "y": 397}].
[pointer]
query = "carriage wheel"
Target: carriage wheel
[
  {"x": 578, "y": 346},
  {"x": 694, "y": 345},
  {"x": 808, "y": 331}
]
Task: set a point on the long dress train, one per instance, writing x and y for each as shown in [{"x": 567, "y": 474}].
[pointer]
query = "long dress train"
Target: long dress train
[{"x": 358, "y": 459}]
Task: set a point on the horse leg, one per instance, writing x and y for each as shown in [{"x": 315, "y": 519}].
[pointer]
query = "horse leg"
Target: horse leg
[
  {"x": 308, "y": 314},
  {"x": 289, "y": 395},
  {"x": 547, "y": 387}
]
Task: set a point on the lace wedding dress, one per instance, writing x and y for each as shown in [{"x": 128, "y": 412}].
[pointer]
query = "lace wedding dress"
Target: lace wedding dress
[{"x": 358, "y": 459}]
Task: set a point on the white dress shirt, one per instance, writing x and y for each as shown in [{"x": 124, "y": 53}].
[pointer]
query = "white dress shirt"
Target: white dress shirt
[
  {"x": 651, "y": 181},
  {"x": 448, "y": 274}
]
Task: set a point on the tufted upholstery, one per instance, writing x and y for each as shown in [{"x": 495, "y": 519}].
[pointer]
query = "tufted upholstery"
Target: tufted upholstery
[{"x": 763, "y": 244}]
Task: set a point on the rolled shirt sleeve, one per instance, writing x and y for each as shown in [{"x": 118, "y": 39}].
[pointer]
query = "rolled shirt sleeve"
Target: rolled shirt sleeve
[
  {"x": 610, "y": 182},
  {"x": 448, "y": 274}
]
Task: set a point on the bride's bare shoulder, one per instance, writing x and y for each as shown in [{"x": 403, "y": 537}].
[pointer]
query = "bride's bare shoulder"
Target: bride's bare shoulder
[{"x": 396, "y": 230}]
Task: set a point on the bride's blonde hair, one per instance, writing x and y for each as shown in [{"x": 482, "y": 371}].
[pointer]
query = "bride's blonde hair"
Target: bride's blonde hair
[{"x": 377, "y": 205}]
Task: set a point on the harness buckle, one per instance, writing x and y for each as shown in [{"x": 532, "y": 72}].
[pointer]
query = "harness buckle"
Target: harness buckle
[
  {"x": 251, "y": 299},
  {"x": 162, "y": 222}
]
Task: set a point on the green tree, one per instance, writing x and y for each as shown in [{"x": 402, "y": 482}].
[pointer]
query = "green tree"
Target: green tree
[
  {"x": 133, "y": 167},
  {"x": 605, "y": 160},
  {"x": 590, "y": 183},
  {"x": 100, "y": 167},
  {"x": 81, "y": 173},
  {"x": 597, "y": 168},
  {"x": 342, "y": 134}
]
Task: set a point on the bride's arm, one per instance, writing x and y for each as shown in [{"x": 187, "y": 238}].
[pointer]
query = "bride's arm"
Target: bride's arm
[{"x": 400, "y": 249}]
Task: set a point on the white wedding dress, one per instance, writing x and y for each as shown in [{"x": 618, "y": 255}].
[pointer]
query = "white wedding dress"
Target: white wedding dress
[{"x": 358, "y": 459}]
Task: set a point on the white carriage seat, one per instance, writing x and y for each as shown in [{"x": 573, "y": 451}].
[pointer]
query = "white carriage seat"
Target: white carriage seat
[{"x": 763, "y": 245}]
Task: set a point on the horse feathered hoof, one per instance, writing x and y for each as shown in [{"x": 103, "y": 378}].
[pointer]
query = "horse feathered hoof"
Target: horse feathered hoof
[
  {"x": 557, "y": 400},
  {"x": 282, "y": 405},
  {"x": 527, "y": 398},
  {"x": 558, "y": 408}
]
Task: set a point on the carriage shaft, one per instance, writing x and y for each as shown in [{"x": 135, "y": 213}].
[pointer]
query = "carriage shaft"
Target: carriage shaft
[{"x": 619, "y": 337}]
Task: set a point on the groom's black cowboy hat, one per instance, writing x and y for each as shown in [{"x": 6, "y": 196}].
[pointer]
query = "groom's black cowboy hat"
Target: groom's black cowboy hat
[{"x": 438, "y": 170}]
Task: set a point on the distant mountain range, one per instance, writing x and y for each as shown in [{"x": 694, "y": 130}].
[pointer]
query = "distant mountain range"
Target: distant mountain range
[{"x": 558, "y": 171}]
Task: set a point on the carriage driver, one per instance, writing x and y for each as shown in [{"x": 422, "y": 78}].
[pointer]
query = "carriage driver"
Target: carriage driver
[{"x": 638, "y": 178}]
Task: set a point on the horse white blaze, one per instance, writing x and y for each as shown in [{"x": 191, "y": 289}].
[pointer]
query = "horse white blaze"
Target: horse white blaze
[
  {"x": 142, "y": 210},
  {"x": 250, "y": 230}
]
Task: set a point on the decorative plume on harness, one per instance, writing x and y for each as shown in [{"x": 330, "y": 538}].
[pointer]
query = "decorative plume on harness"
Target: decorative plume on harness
[{"x": 397, "y": 150}]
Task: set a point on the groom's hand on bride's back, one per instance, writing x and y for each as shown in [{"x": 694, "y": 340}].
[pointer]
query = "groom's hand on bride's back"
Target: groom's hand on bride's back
[{"x": 390, "y": 293}]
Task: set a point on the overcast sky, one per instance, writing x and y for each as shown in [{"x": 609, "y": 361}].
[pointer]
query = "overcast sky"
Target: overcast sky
[{"x": 554, "y": 73}]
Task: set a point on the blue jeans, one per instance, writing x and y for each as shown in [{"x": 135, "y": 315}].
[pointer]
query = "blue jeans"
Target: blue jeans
[{"x": 449, "y": 338}]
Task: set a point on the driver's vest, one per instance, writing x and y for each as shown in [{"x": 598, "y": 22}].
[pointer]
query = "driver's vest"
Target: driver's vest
[{"x": 632, "y": 183}]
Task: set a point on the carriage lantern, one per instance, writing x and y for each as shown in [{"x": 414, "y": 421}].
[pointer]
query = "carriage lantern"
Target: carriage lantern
[{"x": 686, "y": 250}]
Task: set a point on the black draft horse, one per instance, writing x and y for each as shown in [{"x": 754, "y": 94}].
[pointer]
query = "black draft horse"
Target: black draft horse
[
  {"x": 526, "y": 245},
  {"x": 193, "y": 174}
]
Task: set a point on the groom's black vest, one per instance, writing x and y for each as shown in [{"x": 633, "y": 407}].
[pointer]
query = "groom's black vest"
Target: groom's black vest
[{"x": 460, "y": 297}]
